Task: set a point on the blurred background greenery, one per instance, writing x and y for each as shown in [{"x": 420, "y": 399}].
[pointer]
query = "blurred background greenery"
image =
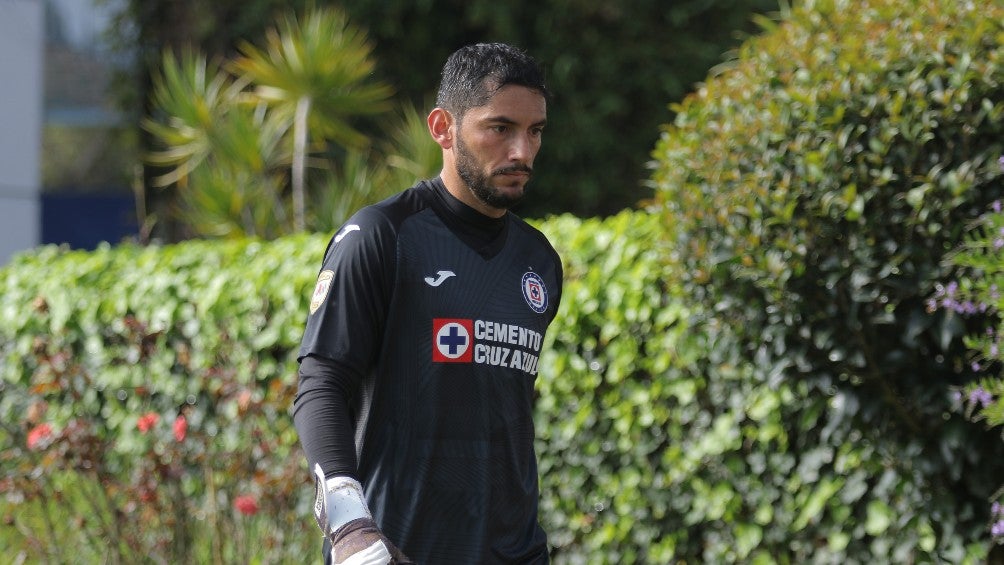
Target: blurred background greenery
[{"x": 614, "y": 68}]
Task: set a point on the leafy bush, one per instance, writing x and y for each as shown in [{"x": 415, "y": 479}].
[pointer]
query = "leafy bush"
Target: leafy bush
[
  {"x": 145, "y": 392},
  {"x": 144, "y": 401},
  {"x": 978, "y": 293},
  {"x": 618, "y": 425},
  {"x": 811, "y": 191},
  {"x": 657, "y": 441},
  {"x": 661, "y": 441}
]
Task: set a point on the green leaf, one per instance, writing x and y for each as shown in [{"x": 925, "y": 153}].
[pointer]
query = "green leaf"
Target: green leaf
[{"x": 879, "y": 518}]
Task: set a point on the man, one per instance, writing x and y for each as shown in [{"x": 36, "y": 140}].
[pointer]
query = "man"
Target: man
[{"x": 418, "y": 362}]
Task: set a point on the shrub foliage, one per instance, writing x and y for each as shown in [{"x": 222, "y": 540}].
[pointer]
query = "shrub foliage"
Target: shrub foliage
[
  {"x": 144, "y": 401},
  {"x": 812, "y": 190},
  {"x": 658, "y": 441}
]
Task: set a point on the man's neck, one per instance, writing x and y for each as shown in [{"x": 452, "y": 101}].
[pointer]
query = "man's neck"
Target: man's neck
[{"x": 459, "y": 189}]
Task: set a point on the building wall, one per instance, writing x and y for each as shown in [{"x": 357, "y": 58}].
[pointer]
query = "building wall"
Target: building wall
[{"x": 21, "y": 59}]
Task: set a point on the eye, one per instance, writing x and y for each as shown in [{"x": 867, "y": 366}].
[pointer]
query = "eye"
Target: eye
[
  {"x": 537, "y": 132},
  {"x": 499, "y": 128}
]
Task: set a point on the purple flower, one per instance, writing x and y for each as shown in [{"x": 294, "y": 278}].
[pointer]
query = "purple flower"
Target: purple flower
[
  {"x": 994, "y": 349},
  {"x": 998, "y": 243},
  {"x": 967, "y": 307},
  {"x": 976, "y": 367},
  {"x": 1001, "y": 162},
  {"x": 996, "y": 206},
  {"x": 980, "y": 396},
  {"x": 997, "y": 529},
  {"x": 951, "y": 288},
  {"x": 996, "y": 509}
]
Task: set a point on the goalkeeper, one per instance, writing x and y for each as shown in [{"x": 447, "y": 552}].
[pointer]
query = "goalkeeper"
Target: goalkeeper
[{"x": 418, "y": 361}]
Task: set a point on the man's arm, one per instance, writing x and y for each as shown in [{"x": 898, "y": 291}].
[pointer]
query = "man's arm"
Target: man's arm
[
  {"x": 322, "y": 416},
  {"x": 323, "y": 421},
  {"x": 340, "y": 343},
  {"x": 341, "y": 339}
]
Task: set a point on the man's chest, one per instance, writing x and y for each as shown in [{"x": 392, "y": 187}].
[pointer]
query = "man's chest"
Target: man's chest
[
  {"x": 469, "y": 309},
  {"x": 439, "y": 274}
]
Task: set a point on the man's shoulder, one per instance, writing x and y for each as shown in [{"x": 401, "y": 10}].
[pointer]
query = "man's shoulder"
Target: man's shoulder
[
  {"x": 531, "y": 232},
  {"x": 395, "y": 209}
]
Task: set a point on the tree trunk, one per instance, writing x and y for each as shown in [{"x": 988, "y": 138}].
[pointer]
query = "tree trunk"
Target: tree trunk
[{"x": 299, "y": 162}]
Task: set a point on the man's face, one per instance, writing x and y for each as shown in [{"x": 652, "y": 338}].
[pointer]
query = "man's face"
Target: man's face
[{"x": 497, "y": 143}]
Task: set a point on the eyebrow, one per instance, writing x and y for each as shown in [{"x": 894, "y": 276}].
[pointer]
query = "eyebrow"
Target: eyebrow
[{"x": 510, "y": 121}]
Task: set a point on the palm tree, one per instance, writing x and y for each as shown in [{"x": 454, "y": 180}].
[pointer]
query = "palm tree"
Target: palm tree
[
  {"x": 316, "y": 75},
  {"x": 406, "y": 155},
  {"x": 409, "y": 150},
  {"x": 221, "y": 149},
  {"x": 192, "y": 96}
]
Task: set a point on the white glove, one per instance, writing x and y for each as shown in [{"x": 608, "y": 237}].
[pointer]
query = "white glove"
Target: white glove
[{"x": 341, "y": 512}]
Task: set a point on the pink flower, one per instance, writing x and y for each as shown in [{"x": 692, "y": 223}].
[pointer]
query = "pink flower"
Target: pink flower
[
  {"x": 244, "y": 400},
  {"x": 38, "y": 434},
  {"x": 246, "y": 504},
  {"x": 180, "y": 427},
  {"x": 147, "y": 421}
]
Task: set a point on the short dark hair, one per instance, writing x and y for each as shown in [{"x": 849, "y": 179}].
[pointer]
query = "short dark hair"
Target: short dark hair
[{"x": 473, "y": 74}]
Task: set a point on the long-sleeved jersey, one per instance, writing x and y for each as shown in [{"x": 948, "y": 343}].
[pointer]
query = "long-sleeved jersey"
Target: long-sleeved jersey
[{"x": 418, "y": 365}]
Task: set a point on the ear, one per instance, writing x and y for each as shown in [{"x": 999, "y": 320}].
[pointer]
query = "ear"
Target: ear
[{"x": 441, "y": 127}]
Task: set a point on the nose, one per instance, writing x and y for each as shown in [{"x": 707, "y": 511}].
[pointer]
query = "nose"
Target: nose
[{"x": 523, "y": 148}]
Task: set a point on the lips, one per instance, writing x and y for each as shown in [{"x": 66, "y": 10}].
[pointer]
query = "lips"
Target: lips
[
  {"x": 515, "y": 170},
  {"x": 513, "y": 173}
]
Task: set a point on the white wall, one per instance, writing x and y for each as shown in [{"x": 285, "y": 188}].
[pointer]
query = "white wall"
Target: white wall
[{"x": 21, "y": 59}]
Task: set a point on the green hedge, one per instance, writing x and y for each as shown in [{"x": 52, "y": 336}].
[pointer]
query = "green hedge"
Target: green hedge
[
  {"x": 656, "y": 443},
  {"x": 104, "y": 354},
  {"x": 812, "y": 191}
]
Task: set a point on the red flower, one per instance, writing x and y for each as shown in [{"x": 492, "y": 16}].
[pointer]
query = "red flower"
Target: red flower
[
  {"x": 180, "y": 427},
  {"x": 246, "y": 504},
  {"x": 147, "y": 421},
  {"x": 38, "y": 434}
]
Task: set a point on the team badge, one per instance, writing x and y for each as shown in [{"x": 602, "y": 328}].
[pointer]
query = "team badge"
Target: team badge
[
  {"x": 535, "y": 292},
  {"x": 451, "y": 340},
  {"x": 321, "y": 290}
]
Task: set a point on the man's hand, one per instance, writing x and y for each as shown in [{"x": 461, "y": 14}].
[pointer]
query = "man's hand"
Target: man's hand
[
  {"x": 342, "y": 514},
  {"x": 360, "y": 542}
]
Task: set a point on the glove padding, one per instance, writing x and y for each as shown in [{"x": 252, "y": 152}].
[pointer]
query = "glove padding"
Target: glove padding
[{"x": 360, "y": 542}]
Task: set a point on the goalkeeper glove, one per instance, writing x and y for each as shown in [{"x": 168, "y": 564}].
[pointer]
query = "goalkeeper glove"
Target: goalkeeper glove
[{"x": 342, "y": 514}]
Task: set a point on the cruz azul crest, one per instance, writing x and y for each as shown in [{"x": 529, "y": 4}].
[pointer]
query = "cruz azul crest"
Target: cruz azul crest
[{"x": 535, "y": 292}]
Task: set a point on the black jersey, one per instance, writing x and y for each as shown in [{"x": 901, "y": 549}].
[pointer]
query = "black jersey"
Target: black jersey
[{"x": 439, "y": 313}]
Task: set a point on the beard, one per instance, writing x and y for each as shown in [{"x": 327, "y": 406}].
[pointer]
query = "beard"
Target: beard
[{"x": 480, "y": 183}]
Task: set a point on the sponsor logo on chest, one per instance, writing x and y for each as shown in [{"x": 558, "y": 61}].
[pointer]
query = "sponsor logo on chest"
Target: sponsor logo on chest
[{"x": 484, "y": 342}]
